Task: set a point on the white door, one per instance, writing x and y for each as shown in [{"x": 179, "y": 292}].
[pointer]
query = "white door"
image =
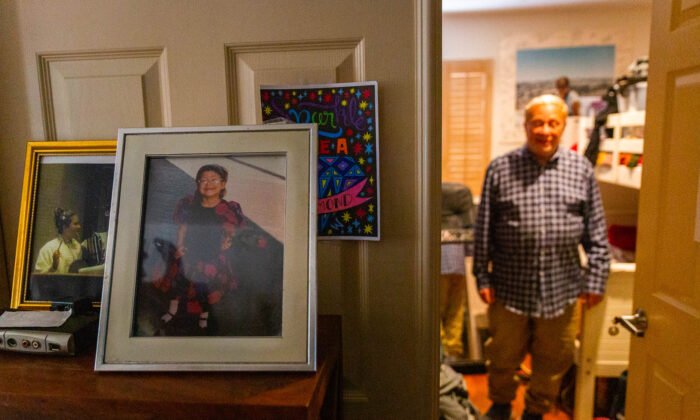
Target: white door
[
  {"x": 72, "y": 69},
  {"x": 664, "y": 373}
]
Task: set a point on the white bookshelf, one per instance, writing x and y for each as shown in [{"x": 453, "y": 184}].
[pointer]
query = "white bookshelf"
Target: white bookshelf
[
  {"x": 614, "y": 172},
  {"x": 604, "y": 347}
]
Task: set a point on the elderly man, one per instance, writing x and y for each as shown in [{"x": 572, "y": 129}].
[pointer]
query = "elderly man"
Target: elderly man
[{"x": 538, "y": 204}]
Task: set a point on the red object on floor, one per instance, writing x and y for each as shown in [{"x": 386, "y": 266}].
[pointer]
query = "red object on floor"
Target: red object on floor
[{"x": 623, "y": 237}]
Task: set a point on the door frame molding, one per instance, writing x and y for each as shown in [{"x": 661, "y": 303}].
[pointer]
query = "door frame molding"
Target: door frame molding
[{"x": 429, "y": 157}]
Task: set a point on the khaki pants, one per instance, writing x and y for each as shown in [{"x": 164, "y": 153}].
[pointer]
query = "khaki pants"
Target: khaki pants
[
  {"x": 453, "y": 291},
  {"x": 550, "y": 343}
]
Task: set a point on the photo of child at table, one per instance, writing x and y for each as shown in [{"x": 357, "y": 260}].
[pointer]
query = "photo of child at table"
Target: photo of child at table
[{"x": 65, "y": 253}]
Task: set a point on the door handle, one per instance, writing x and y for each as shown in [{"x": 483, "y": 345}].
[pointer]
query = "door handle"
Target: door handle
[{"x": 636, "y": 324}]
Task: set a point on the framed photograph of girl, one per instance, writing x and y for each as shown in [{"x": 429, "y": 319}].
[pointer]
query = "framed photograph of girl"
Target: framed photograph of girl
[
  {"x": 212, "y": 258},
  {"x": 63, "y": 223}
]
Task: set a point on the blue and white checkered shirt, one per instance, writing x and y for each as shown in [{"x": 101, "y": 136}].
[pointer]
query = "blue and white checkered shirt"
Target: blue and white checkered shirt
[{"x": 531, "y": 220}]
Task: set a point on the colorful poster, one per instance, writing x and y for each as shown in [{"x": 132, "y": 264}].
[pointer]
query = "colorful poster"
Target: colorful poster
[{"x": 348, "y": 151}]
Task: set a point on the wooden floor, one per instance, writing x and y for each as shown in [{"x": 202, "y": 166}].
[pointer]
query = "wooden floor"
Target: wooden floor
[{"x": 478, "y": 394}]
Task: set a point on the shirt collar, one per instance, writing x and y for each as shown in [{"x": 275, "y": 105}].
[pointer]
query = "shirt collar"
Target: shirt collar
[{"x": 525, "y": 152}]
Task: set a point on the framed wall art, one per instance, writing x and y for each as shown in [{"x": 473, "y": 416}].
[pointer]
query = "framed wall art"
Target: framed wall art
[
  {"x": 211, "y": 259},
  {"x": 63, "y": 223},
  {"x": 590, "y": 70},
  {"x": 348, "y": 151}
]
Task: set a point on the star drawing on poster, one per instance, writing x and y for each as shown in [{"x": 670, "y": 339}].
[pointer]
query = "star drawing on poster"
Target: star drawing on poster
[{"x": 348, "y": 173}]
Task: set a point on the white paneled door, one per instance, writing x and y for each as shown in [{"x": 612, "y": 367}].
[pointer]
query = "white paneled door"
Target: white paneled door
[{"x": 664, "y": 372}]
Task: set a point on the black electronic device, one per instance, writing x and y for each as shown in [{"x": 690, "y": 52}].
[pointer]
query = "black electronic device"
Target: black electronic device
[{"x": 77, "y": 333}]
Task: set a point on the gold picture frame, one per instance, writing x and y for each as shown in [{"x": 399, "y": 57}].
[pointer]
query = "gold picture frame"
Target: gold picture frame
[{"x": 66, "y": 183}]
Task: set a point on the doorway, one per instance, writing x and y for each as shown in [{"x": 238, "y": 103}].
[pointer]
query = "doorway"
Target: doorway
[{"x": 498, "y": 35}]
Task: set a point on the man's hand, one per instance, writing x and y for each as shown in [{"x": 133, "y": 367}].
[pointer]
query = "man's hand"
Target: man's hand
[
  {"x": 487, "y": 295},
  {"x": 591, "y": 299}
]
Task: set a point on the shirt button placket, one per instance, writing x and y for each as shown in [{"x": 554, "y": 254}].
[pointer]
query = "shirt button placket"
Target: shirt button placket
[
  {"x": 543, "y": 221},
  {"x": 543, "y": 232},
  {"x": 542, "y": 202}
]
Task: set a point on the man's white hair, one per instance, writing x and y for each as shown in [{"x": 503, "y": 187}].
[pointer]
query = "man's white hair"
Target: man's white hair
[{"x": 546, "y": 100}]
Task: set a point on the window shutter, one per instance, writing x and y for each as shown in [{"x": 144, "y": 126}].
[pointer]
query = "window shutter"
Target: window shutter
[{"x": 466, "y": 122}]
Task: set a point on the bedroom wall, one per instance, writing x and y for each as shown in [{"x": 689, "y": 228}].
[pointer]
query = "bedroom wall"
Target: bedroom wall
[{"x": 498, "y": 36}]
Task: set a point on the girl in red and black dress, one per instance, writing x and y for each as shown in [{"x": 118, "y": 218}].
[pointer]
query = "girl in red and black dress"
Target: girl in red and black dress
[{"x": 206, "y": 226}]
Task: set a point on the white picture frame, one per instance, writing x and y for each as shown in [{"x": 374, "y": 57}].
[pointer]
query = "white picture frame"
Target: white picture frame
[{"x": 235, "y": 288}]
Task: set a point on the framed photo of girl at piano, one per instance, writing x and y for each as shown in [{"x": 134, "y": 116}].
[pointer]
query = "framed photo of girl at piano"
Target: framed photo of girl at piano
[{"x": 64, "y": 217}]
